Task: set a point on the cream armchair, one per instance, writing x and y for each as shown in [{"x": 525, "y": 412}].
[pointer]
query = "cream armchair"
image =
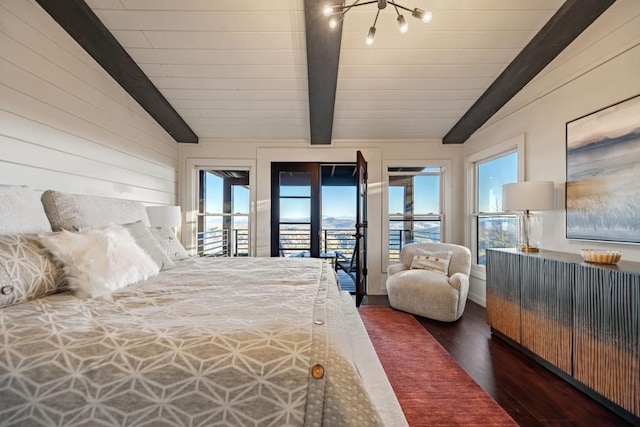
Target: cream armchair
[{"x": 428, "y": 293}]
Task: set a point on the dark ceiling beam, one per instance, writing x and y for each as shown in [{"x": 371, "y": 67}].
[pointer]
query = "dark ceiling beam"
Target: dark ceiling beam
[
  {"x": 85, "y": 27},
  {"x": 323, "y": 55},
  {"x": 573, "y": 17}
]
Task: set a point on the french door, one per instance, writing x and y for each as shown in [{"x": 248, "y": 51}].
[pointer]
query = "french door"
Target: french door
[
  {"x": 295, "y": 209},
  {"x": 296, "y": 212},
  {"x": 361, "y": 229}
]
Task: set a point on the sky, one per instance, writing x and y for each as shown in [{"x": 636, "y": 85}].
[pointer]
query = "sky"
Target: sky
[
  {"x": 491, "y": 176},
  {"x": 336, "y": 201},
  {"x": 341, "y": 201}
]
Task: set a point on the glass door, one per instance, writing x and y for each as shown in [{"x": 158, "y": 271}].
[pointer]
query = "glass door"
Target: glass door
[
  {"x": 295, "y": 210},
  {"x": 361, "y": 229}
]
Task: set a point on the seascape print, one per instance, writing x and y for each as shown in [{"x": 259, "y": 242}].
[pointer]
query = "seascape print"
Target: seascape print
[{"x": 603, "y": 174}]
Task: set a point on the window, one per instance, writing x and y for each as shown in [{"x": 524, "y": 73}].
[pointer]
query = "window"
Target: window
[
  {"x": 223, "y": 213},
  {"x": 414, "y": 207},
  {"x": 494, "y": 228}
]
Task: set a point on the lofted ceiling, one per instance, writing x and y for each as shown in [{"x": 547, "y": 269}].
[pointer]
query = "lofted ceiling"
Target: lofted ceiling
[
  {"x": 237, "y": 69},
  {"x": 419, "y": 84}
]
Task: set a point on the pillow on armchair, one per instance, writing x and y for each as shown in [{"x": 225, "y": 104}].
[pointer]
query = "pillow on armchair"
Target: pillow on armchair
[{"x": 434, "y": 261}]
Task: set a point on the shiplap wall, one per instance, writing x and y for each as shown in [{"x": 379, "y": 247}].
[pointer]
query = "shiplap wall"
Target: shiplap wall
[{"x": 65, "y": 124}]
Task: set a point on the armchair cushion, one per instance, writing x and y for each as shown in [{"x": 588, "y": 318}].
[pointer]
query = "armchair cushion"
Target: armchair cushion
[
  {"x": 396, "y": 268},
  {"x": 437, "y": 262}
]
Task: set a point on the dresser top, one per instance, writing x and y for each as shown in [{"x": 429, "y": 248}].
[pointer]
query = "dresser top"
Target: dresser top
[{"x": 622, "y": 265}]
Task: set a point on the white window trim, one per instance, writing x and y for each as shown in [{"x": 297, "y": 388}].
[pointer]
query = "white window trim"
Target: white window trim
[
  {"x": 190, "y": 197},
  {"x": 445, "y": 199},
  {"x": 517, "y": 144}
]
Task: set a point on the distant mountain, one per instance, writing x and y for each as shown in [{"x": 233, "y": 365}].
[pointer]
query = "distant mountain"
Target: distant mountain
[{"x": 339, "y": 222}]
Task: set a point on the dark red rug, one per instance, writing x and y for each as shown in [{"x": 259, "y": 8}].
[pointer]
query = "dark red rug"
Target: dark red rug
[{"x": 433, "y": 390}]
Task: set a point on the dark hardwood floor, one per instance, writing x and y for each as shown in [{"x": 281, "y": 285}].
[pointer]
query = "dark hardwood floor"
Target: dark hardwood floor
[{"x": 531, "y": 394}]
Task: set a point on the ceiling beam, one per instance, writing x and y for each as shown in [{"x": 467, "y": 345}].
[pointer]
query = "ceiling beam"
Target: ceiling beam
[
  {"x": 323, "y": 55},
  {"x": 573, "y": 17},
  {"x": 77, "y": 19}
]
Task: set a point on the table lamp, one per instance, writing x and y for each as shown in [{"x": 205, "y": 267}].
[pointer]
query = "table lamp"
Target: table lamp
[
  {"x": 525, "y": 197},
  {"x": 165, "y": 216}
]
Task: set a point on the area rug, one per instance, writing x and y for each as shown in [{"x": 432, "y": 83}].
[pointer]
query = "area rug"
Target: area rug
[{"x": 433, "y": 390}]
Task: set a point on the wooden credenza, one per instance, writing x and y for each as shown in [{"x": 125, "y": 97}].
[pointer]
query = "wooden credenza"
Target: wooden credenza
[{"x": 581, "y": 320}]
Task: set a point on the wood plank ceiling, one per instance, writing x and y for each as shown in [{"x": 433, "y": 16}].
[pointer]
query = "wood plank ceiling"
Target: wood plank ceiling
[{"x": 237, "y": 69}]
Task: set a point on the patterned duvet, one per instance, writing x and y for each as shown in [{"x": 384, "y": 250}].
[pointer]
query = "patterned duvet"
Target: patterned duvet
[{"x": 215, "y": 341}]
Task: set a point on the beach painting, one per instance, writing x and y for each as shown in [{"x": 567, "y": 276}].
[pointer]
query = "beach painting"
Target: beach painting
[{"x": 603, "y": 174}]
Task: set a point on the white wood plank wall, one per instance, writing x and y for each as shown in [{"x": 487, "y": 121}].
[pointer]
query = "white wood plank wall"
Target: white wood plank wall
[{"x": 65, "y": 124}]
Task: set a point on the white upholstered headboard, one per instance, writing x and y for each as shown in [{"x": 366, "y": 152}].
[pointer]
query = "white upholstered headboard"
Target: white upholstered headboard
[{"x": 21, "y": 211}]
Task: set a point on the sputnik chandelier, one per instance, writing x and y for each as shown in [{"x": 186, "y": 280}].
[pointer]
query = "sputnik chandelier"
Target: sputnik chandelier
[{"x": 337, "y": 12}]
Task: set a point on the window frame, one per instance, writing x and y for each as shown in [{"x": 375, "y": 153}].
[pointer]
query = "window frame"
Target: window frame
[
  {"x": 224, "y": 217},
  {"x": 445, "y": 199},
  {"x": 191, "y": 197},
  {"x": 515, "y": 144}
]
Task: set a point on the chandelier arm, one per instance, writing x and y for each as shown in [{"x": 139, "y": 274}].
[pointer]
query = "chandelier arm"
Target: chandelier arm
[
  {"x": 396, "y": 5},
  {"x": 357, "y": 4},
  {"x": 376, "y": 20}
]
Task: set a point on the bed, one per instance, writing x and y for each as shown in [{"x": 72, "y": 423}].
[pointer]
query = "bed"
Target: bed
[{"x": 209, "y": 341}]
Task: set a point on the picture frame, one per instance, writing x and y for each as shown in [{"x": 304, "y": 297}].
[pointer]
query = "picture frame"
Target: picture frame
[{"x": 603, "y": 174}]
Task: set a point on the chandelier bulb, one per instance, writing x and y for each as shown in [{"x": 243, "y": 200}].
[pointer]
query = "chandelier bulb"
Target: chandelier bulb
[
  {"x": 371, "y": 36},
  {"x": 327, "y": 10},
  {"x": 404, "y": 27},
  {"x": 424, "y": 16},
  {"x": 333, "y": 22}
]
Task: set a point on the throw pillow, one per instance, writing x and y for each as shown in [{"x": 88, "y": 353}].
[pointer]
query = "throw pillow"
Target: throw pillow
[
  {"x": 101, "y": 260},
  {"x": 74, "y": 212},
  {"x": 27, "y": 271},
  {"x": 433, "y": 261},
  {"x": 146, "y": 240},
  {"x": 169, "y": 243}
]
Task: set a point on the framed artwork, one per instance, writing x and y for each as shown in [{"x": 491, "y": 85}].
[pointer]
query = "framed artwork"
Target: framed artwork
[{"x": 603, "y": 174}]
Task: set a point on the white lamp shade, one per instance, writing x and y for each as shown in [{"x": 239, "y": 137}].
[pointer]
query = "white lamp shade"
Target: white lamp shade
[
  {"x": 164, "y": 216},
  {"x": 528, "y": 195}
]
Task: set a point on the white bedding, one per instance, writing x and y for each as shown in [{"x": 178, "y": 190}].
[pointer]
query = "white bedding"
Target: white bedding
[{"x": 215, "y": 341}]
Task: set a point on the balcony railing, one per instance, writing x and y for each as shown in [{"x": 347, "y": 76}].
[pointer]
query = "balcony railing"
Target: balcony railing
[
  {"x": 399, "y": 237},
  {"x": 224, "y": 242},
  {"x": 298, "y": 242},
  {"x": 235, "y": 242}
]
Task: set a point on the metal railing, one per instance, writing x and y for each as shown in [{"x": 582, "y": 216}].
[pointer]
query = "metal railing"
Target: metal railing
[
  {"x": 218, "y": 242},
  {"x": 297, "y": 242},
  {"x": 338, "y": 239},
  {"x": 235, "y": 242},
  {"x": 399, "y": 237}
]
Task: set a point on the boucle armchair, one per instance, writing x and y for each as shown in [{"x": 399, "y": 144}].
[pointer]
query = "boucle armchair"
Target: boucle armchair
[{"x": 413, "y": 285}]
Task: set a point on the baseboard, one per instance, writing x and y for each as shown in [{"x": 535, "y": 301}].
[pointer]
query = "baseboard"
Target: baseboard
[{"x": 478, "y": 299}]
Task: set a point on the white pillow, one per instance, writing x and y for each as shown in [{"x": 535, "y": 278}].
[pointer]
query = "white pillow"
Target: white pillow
[
  {"x": 169, "y": 243},
  {"x": 101, "y": 260},
  {"x": 147, "y": 241},
  {"x": 433, "y": 261}
]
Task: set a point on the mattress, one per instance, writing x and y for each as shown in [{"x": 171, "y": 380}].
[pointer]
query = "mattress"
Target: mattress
[{"x": 215, "y": 341}]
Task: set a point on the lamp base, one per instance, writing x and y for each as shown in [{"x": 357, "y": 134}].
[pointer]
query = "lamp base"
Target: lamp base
[{"x": 529, "y": 249}]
